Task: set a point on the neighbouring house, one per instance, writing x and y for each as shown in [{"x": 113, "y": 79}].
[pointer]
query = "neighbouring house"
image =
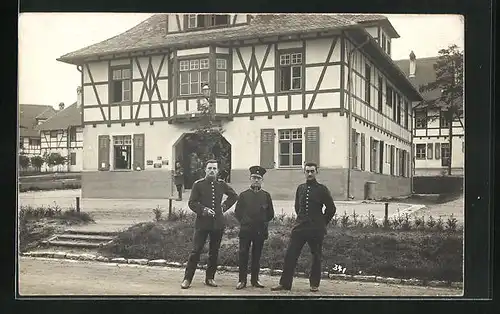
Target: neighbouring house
[
  {"x": 279, "y": 88},
  {"x": 430, "y": 135},
  {"x": 31, "y": 116},
  {"x": 63, "y": 134}
]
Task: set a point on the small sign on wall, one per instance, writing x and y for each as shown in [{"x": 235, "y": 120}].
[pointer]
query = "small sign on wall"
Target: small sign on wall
[
  {"x": 164, "y": 162},
  {"x": 157, "y": 165},
  {"x": 158, "y": 158},
  {"x": 149, "y": 162}
]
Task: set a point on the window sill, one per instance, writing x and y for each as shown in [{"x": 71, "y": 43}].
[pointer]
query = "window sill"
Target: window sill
[{"x": 290, "y": 92}]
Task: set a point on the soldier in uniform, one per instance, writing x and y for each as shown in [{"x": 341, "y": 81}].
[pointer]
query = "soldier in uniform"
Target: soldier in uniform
[
  {"x": 310, "y": 227},
  {"x": 253, "y": 210},
  {"x": 205, "y": 201}
]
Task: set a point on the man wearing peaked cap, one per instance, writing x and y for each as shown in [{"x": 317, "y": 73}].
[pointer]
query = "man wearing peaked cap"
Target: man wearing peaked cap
[{"x": 253, "y": 211}]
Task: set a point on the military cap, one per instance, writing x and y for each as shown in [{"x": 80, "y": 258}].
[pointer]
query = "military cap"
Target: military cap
[{"x": 257, "y": 171}]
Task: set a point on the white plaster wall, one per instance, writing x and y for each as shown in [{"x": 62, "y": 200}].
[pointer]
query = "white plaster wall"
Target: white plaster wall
[{"x": 244, "y": 136}]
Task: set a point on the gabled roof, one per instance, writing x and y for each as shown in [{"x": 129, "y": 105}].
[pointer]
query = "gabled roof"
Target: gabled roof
[
  {"x": 63, "y": 119},
  {"x": 28, "y": 118},
  {"x": 424, "y": 74},
  {"x": 152, "y": 32}
]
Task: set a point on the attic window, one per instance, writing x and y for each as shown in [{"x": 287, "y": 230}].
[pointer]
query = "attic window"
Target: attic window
[{"x": 204, "y": 20}]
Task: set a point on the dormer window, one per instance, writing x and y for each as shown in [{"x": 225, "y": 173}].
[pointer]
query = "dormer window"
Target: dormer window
[{"x": 194, "y": 21}]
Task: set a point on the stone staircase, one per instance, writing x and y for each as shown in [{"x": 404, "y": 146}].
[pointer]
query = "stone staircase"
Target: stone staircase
[{"x": 80, "y": 239}]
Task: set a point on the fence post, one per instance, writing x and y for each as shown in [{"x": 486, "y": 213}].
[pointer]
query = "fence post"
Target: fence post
[
  {"x": 386, "y": 214},
  {"x": 169, "y": 208},
  {"x": 77, "y": 204}
]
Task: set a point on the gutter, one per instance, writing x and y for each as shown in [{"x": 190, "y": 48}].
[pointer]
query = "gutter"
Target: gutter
[{"x": 349, "y": 124}]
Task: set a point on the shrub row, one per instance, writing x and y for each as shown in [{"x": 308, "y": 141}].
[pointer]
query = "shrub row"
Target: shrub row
[{"x": 416, "y": 253}]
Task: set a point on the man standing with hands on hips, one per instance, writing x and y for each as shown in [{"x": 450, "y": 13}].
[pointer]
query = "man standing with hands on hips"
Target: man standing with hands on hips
[
  {"x": 205, "y": 201},
  {"x": 310, "y": 227},
  {"x": 253, "y": 211}
]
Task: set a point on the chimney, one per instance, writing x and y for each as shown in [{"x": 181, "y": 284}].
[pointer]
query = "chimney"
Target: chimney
[
  {"x": 413, "y": 64},
  {"x": 78, "y": 96},
  {"x": 61, "y": 106}
]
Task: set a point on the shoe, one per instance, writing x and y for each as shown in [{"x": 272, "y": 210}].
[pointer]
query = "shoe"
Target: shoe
[
  {"x": 241, "y": 285},
  {"x": 257, "y": 284},
  {"x": 314, "y": 289},
  {"x": 210, "y": 282},
  {"x": 185, "y": 284},
  {"x": 280, "y": 288}
]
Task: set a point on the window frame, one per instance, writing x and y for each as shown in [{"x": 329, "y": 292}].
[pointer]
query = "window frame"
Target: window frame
[
  {"x": 420, "y": 156},
  {"x": 430, "y": 150},
  {"x": 291, "y": 66},
  {"x": 207, "y": 21},
  {"x": 111, "y": 83},
  {"x": 72, "y": 134},
  {"x": 443, "y": 120},
  {"x": 380, "y": 97},
  {"x": 51, "y": 134},
  {"x": 212, "y": 72},
  {"x": 291, "y": 141},
  {"x": 424, "y": 124}
]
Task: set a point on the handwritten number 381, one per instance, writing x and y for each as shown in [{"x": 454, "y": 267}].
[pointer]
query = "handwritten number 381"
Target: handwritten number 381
[{"x": 339, "y": 268}]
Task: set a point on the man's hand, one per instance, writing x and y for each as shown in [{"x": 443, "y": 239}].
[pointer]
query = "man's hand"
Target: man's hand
[{"x": 208, "y": 211}]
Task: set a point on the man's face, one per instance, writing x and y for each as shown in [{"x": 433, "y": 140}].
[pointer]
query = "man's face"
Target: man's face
[
  {"x": 310, "y": 172},
  {"x": 256, "y": 181},
  {"x": 211, "y": 169}
]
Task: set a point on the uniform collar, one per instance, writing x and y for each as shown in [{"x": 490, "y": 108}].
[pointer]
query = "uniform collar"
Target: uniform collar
[{"x": 312, "y": 182}]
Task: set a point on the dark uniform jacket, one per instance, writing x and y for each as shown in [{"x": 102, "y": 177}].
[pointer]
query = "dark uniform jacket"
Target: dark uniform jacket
[
  {"x": 309, "y": 200},
  {"x": 207, "y": 193},
  {"x": 254, "y": 210}
]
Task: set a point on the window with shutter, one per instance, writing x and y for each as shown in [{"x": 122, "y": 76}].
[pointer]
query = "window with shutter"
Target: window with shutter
[
  {"x": 437, "y": 153},
  {"x": 429, "y": 150},
  {"x": 354, "y": 149},
  {"x": 103, "y": 153},
  {"x": 312, "y": 144},
  {"x": 72, "y": 158},
  {"x": 267, "y": 148},
  {"x": 371, "y": 154},
  {"x": 392, "y": 159},
  {"x": 381, "y": 157},
  {"x": 363, "y": 150},
  {"x": 139, "y": 151}
]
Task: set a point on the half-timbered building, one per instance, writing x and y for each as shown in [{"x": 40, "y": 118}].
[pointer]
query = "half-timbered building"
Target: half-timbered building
[
  {"x": 279, "y": 88},
  {"x": 29, "y": 137},
  {"x": 63, "y": 134},
  {"x": 431, "y": 128}
]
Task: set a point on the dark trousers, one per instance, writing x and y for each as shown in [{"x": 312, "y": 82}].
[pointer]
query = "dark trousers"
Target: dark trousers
[
  {"x": 245, "y": 243},
  {"x": 297, "y": 241},
  {"x": 200, "y": 238},
  {"x": 179, "y": 190}
]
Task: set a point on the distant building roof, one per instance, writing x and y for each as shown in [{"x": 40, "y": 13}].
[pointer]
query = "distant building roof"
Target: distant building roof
[
  {"x": 28, "y": 115},
  {"x": 63, "y": 119}
]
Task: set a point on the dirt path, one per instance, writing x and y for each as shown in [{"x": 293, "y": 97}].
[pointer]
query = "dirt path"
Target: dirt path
[{"x": 63, "y": 277}]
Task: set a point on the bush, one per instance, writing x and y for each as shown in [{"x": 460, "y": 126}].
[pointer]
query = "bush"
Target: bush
[{"x": 398, "y": 253}]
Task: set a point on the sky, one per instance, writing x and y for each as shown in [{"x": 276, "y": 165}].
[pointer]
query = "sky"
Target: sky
[{"x": 44, "y": 37}]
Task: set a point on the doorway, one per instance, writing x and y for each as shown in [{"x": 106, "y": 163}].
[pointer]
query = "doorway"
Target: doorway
[
  {"x": 122, "y": 149},
  {"x": 193, "y": 151}
]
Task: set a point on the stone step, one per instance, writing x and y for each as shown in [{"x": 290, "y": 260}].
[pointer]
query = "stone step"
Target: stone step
[
  {"x": 91, "y": 232},
  {"x": 84, "y": 237},
  {"x": 73, "y": 244}
]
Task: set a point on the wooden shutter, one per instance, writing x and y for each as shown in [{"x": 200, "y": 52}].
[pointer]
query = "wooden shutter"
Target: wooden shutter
[
  {"x": 363, "y": 151},
  {"x": 372, "y": 166},
  {"x": 437, "y": 153},
  {"x": 138, "y": 151},
  {"x": 354, "y": 150},
  {"x": 392, "y": 159},
  {"x": 312, "y": 144},
  {"x": 381, "y": 161},
  {"x": 72, "y": 157},
  {"x": 103, "y": 153},
  {"x": 267, "y": 137}
]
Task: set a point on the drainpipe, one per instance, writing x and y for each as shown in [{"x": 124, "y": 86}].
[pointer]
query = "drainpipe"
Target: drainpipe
[{"x": 349, "y": 104}]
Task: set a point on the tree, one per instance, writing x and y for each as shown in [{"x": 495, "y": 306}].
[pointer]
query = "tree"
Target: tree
[
  {"x": 449, "y": 81},
  {"x": 54, "y": 159},
  {"x": 24, "y": 161},
  {"x": 37, "y": 162}
]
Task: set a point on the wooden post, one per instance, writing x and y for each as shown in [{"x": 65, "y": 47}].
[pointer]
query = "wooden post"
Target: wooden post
[
  {"x": 169, "y": 208},
  {"x": 77, "y": 204},
  {"x": 386, "y": 214}
]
